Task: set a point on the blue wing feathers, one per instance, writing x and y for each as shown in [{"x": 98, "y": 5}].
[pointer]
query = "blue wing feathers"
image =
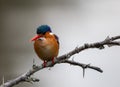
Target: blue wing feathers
[{"x": 57, "y": 38}]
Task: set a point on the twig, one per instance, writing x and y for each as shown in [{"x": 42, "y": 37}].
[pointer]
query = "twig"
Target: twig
[
  {"x": 100, "y": 45},
  {"x": 3, "y": 81},
  {"x": 84, "y": 66}
]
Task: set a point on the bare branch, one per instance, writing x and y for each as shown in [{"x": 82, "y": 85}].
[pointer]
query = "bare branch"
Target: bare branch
[
  {"x": 64, "y": 59},
  {"x": 84, "y": 66}
]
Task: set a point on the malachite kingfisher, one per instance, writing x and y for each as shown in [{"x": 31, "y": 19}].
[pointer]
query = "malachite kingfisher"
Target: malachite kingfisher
[{"x": 46, "y": 44}]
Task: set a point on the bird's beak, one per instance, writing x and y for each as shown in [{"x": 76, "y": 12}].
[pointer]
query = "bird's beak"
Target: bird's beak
[{"x": 35, "y": 37}]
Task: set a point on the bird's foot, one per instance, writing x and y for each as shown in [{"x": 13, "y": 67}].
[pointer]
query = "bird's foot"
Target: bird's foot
[
  {"x": 53, "y": 60},
  {"x": 44, "y": 64}
]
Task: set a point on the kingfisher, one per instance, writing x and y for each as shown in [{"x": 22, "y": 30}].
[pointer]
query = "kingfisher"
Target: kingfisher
[{"x": 46, "y": 44}]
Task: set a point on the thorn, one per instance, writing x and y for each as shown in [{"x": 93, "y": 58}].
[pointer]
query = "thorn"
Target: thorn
[
  {"x": 110, "y": 45},
  {"x": 101, "y": 47},
  {"x": 32, "y": 79},
  {"x": 3, "y": 81},
  {"x": 107, "y": 38},
  {"x": 76, "y": 49},
  {"x": 34, "y": 66},
  {"x": 84, "y": 67},
  {"x": 73, "y": 59},
  {"x": 50, "y": 68},
  {"x": 88, "y": 64},
  {"x": 83, "y": 72},
  {"x": 33, "y": 63},
  {"x": 35, "y": 79}
]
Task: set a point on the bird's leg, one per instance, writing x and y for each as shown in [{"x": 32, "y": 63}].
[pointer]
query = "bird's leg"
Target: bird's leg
[
  {"x": 44, "y": 63},
  {"x": 53, "y": 60}
]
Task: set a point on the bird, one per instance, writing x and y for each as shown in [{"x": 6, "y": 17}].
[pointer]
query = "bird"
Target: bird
[{"x": 46, "y": 44}]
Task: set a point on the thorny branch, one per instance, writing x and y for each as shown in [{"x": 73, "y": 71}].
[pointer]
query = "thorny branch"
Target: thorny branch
[
  {"x": 26, "y": 77},
  {"x": 84, "y": 66}
]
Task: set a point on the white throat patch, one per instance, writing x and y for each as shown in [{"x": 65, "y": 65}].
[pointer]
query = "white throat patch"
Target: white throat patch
[
  {"x": 51, "y": 34},
  {"x": 42, "y": 38}
]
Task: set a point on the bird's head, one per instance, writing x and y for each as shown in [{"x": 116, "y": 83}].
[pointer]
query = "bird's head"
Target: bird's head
[{"x": 41, "y": 30}]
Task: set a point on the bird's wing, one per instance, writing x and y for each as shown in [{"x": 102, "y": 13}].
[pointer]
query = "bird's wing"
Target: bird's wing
[{"x": 57, "y": 38}]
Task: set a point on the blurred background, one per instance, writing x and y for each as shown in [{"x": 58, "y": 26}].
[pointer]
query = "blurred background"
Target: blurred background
[{"x": 75, "y": 22}]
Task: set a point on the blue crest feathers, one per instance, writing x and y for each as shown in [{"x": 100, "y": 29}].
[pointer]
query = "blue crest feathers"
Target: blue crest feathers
[{"x": 43, "y": 29}]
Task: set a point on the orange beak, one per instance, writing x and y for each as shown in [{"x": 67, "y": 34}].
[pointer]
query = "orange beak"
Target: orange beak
[{"x": 35, "y": 37}]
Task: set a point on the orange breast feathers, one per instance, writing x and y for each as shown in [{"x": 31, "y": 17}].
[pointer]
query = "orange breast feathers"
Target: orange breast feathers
[{"x": 47, "y": 47}]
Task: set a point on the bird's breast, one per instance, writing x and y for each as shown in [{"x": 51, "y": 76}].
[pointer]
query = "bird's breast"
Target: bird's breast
[{"x": 46, "y": 48}]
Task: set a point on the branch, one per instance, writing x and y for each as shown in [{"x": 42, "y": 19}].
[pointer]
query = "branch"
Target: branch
[
  {"x": 64, "y": 59},
  {"x": 84, "y": 66}
]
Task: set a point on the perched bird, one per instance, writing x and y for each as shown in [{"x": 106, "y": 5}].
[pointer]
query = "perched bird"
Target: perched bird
[{"x": 46, "y": 44}]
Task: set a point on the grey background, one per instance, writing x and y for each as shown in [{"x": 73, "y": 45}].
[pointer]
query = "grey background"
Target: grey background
[{"x": 75, "y": 22}]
